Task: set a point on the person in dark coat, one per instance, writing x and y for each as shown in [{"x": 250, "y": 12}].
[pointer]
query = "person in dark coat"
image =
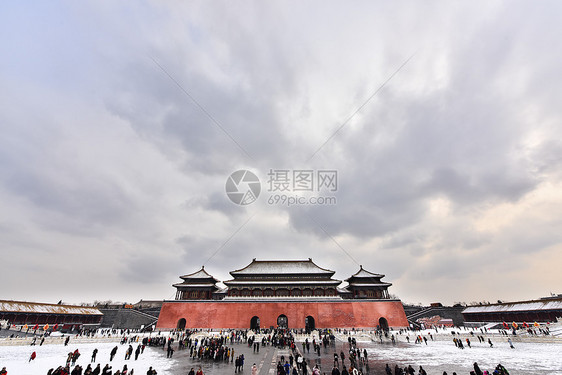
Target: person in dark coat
[
  {"x": 112, "y": 354},
  {"x": 477, "y": 370},
  {"x": 106, "y": 370}
]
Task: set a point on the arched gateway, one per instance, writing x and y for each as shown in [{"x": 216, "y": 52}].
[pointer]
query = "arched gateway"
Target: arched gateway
[
  {"x": 282, "y": 321},
  {"x": 383, "y": 324},
  {"x": 181, "y": 323},
  {"x": 255, "y": 323},
  {"x": 309, "y": 324}
]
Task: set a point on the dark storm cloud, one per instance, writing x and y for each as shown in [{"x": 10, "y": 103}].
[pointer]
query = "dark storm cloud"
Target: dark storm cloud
[{"x": 460, "y": 142}]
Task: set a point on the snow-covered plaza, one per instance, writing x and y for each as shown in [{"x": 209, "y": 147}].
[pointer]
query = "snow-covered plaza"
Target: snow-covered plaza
[
  {"x": 531, "y": 355},
  {"x": 439, "y": 356},
  {"x": 16, "y": 358}
]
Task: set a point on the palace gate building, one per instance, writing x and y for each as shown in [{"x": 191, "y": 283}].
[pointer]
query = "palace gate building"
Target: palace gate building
[{"x": 282, "y": 293}]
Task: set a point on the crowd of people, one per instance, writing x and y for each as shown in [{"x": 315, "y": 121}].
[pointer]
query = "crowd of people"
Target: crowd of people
[
  {"x": 352, "y": 360},
  {"x": 95, "y": 367},
  {"x": 355, "y": 362}
]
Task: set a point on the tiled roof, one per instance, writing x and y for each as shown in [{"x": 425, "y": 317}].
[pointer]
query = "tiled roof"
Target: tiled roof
[
  {"x": 370, "y": 284},
  {"x": 194, "y": 285},
  {"x": 284, "y": 298},
  {"x": 553, "y": 304},
  {"x": 281, "y": 283},
  {"x": 45, "y": 308},
  {"x": 201, "y": 274},
  {"x": 364, "y": 273},
  {"x": 282, "y": 267}
]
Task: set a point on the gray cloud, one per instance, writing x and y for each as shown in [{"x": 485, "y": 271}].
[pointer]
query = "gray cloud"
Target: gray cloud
[{"x": 449, "y": 170}]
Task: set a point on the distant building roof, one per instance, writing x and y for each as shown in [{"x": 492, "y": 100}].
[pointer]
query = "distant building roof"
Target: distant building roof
[
  {"x": 45, "y": 308},
  {"x": 534, "y": 305},
  {"x": 282, "y": 267},
  {"x": 149, "y": 303}
]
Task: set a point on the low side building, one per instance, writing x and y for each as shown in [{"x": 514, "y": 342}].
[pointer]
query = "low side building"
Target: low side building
[
  {"x": 282, "y": 293},
  {"x": 543, "y": 310},
  {"x": 453, "y": 313},
  {"x": 148, "y": 304},
  {"x": 33, "y": 313}
]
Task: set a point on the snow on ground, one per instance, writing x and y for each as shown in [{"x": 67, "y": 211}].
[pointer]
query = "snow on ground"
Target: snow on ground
[
  {"x": 526, "y": 358},
  {"x": 532, "y": 354},
  {"x": 16, "y": 358}
]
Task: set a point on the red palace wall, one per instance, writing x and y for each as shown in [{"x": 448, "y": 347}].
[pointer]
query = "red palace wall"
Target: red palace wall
[{"x": 227, "y": 314}]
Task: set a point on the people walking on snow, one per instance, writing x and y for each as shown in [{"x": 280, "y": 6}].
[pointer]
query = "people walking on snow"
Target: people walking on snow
[
  {"x": 477, "y": 370},
  {"x": 112, "y": 353},
  {"x": 75, "y": 356}
]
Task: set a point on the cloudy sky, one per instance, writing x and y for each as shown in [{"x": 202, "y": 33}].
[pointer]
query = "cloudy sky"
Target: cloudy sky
[{"x": 120, "y": 123}]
